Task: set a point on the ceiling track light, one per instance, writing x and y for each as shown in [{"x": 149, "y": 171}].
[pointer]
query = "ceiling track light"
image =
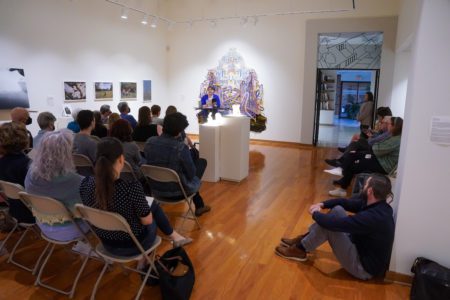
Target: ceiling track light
[
  {"x": 154, "y": 22},
  {"x": 124, "y": 14},
  {"x": 245, "y": 20},
  {"x": 145, "y": 20}
]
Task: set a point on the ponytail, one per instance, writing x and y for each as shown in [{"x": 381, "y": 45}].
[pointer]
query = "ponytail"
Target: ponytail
[{"x": 104, "y": 182}]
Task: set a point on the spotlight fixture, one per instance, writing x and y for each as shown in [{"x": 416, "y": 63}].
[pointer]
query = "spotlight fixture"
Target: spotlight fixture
[
  {"x": 154, "y": 22},
  {"x": 124, "y": 14},
  {"x": 145, "y": 20}
]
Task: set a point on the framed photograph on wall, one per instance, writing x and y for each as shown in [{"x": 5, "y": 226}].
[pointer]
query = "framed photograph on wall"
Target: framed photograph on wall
[
  {"x": 128, "y": 90},
  {"x": 103, "y": 91},
  {"x": 13, "y": 88},
  {"x": 147, "y": 90},
  {"x": 74, "y": 91}
]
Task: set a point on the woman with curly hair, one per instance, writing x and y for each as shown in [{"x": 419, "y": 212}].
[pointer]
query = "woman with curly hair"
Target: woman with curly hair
[
  {"x": 52, "y": 174},
  {"x": 14, "y": 165}
]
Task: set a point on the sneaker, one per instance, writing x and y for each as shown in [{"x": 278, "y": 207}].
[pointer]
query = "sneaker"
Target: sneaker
[
  {"x": 336, "y": 171},
  {"x": 200, "y": 211},
  {"x": 342, "y": 149},
  {"x": 289, "y": 242},
  {"x": 338, "y": 192},
  {"x": 182, "y": 242},
  {"x": 333, "y": 162},
  {"x": 291, "y": 252}
]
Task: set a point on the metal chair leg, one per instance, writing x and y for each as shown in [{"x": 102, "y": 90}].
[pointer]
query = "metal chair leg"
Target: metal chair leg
[
  {"x": 10, "y": 259},
  {"x": 3, "y": 244},
  {"x": 94, "y": 291},
  {"x": 36, "y": 267}
]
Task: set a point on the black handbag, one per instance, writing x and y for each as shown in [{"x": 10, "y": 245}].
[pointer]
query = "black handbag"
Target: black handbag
[
  {"x": 431, "y": 280},
  {"x": 176, "y": 275}
]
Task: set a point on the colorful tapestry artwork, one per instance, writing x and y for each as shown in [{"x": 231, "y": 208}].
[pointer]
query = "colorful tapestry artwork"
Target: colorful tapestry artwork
[{"x": 236, "y": 84}]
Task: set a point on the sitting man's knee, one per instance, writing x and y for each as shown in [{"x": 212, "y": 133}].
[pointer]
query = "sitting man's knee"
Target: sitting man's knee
[{"x": 339, "y": 210}]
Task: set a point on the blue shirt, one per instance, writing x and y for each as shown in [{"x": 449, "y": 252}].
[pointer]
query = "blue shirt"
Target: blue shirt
[
  {"x": 129, "y": 118},
  {"x": 214, "y": 99},
  {"x": 73, "y": 126}
]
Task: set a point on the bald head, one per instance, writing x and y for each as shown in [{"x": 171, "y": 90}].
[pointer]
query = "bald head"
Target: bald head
[{"x": 19, "y": 115}]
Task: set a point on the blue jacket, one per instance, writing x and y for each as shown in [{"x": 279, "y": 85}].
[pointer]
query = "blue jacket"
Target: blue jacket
[
  {"x": 130, "y": 119},
  {"x": 214, "y": 99},
  {"x": 371, "y": 229},
  {"x": 170, "y": 152}
]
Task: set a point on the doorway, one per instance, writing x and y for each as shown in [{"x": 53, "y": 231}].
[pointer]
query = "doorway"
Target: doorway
[
  {"x": 340, "y": 93},
  {"x": 348, "y": 67}
]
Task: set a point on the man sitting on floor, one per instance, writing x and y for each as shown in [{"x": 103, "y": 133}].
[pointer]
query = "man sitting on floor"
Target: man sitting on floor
[{"x": 362, "y": 242}]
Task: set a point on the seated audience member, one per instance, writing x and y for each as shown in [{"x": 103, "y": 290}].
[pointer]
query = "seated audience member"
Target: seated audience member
[
  {"x": 362, "y": 242},
  {"x": 183, "y": 137},
  {"x": 46, "y": 122},
  {"x": 156, "y": 111},
  {"x": 82, "y": 142},
  {"x": 121, "y": 130},
  {"x": 145, "y": 128},
  {"x": 124, "y": 110},
  {"x": 383, "y": 159},
  {"x": 363, "y": 144},
  {"x": 108, "y": 192},
  {"x": 14, "y": 164},
  {"x": 73, "y": 125},
  {"x": 21, "y": 116},
  {"x": 112, "y": 118},
  {"x": 52, "y": 174},
  {"x": 169, "y": 151},
  {"x": 99, "y": 130},
  {"x": 105, "y": 111}
]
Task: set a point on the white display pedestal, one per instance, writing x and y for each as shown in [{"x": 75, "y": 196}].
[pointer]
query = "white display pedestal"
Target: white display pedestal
[
  {"x": 209, "y": 139},
  {"x": 234, "y": 148},
  {"x": 326, "y": 117}
]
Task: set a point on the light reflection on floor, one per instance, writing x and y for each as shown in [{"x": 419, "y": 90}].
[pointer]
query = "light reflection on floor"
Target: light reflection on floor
[{"x": 338, "y": 134}]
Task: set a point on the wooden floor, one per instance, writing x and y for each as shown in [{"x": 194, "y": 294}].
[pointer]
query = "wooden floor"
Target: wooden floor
[{"x": 233, "y": 254}]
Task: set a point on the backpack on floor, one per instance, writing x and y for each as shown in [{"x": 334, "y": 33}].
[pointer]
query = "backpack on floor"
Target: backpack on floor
[{"x": 431, "y": 280}]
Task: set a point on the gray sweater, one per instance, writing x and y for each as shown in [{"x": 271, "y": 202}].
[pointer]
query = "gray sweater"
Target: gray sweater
[{"x": 85, "y": 145}]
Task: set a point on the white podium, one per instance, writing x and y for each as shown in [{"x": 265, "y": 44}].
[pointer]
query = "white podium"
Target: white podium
[
  {"x": 209, "y": 137},
  {"x": 234, "y": 148}
]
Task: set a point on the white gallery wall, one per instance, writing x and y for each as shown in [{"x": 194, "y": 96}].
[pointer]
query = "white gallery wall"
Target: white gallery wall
[
  {"x": 275, "y": 48},
  {"x": 56, "y": 41},
  {"x": 424, "y": 167}
]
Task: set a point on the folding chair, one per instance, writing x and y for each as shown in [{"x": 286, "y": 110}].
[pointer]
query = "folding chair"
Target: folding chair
[
  {"x": 83, "y": 164},
  {"x": 12, "y": 191},
  {"x": 127, "y": 172},
  {"x": 114, "y": 222},
  {"x": 165, "y": 175},
  {"x": 45, "y": 207}
]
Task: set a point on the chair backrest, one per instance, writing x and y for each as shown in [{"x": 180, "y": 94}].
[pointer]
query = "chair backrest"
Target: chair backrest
[
  {"x": 81, "y": 160},
  {"x": 141, "y": 146},
  {"x": 108, "y": 221},
  {"x": 11, "y": 190},
  {"x": 127, "y": 172},
  {"x": 46, "y": 206},
  {"x": 162, "y": 174}
]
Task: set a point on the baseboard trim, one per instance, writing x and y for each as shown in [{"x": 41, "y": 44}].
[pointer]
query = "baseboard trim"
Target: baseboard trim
[
  {"x": 195, "y": 136},
  {"x": 398, "y": 278}
]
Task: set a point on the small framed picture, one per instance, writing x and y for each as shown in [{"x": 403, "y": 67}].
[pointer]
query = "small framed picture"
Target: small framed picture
[
  {"x": 128, "y": 90},
  {"x": 103, "y": 91},
  {"x": 147, "y": 87},
  {"x": 74, "y": 91},
  {"x": 67, "y": 111}
]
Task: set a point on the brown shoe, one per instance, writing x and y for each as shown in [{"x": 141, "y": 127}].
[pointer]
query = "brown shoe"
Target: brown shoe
[
  {"x": 200, "y": 211},
  {"x": 289, "y": 242},
  {"x": 292, "y": 252}
]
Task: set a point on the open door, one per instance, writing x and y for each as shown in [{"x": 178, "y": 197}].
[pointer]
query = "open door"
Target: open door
[{"x": 317, "y": 107}]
